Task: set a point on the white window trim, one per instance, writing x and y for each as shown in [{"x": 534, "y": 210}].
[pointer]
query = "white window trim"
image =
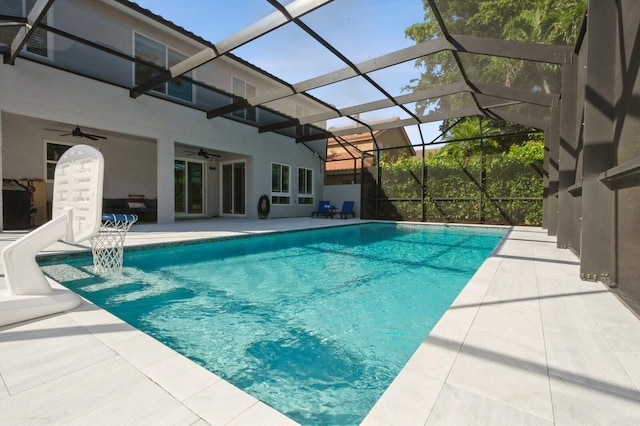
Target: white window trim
[
  {"x": 244, "y": 95},
  {"x": 44, "y": 156},
  {"x": 305, "y": 195},
  {"x": 192, "y": 76},
  {"x": 205, "y": 168},
  {"x": 166, "y": 64},
  {"x": 280, "y": 194},
  {"x": 221, "y": 184}
]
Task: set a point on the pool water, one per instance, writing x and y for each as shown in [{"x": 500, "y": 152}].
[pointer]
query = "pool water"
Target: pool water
[{"x": 314, "y": 323}]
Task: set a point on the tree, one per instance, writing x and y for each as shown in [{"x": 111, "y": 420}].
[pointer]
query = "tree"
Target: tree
[
  {"x": 538, "y": 21},
  {"x": 468, "y": 136}
]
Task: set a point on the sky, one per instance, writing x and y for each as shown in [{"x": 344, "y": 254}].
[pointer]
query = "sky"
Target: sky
[{"x": 359, "y": 29}]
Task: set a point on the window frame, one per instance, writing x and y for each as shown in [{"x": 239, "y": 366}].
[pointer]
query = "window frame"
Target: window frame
[
  {"x": 167, "y": 53},
  {"x": 252, "y": 110},
  {"x": 203, "y": 193},
  {"x": 305, "y": 188},
  {"x": 53, "y": 162},
  {"x": 48, "y": 20},
  {"x": 279, "y": 196}
]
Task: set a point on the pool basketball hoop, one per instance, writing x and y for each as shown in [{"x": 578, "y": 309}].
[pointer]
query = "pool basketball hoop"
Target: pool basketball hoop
[
  {"x": 75, "y": 216},
  {"x": 107, "y": 246}
]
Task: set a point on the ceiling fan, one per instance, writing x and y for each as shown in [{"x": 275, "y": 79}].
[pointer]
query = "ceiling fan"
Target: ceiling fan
[
  {"x": 77, "y": 132},
  {"x": 203, "y": 153}
]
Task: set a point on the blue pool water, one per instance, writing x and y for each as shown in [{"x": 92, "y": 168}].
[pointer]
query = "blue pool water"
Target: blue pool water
[{"x": 314, "y": 323}]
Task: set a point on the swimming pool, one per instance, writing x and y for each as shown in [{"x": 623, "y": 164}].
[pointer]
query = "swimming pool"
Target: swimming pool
[{"x": 314, "y": 323}]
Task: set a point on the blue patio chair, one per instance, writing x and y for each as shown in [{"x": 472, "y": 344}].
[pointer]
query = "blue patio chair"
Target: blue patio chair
[
  {"x": 347, "y": 209},
  {"x": 324, "y": 209}
]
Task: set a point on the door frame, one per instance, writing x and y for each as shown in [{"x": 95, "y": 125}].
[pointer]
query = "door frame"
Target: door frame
[
  {"x": 204, "y": 165},
  {"x": 244, "y": 191}
]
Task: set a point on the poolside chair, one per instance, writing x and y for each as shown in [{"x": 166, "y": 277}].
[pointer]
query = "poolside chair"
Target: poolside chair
[
  {"x": 347, "y": 209},
  {"x": 324, "y": 209}
]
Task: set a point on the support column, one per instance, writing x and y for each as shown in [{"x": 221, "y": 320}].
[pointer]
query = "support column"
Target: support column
[
  {"x": 165, "y": 178},
  {"x": 599, "y": 113},
  {"x": 423, "y": 183},
  {"x": 552, "y": 144},
  {"x": 545, "y": 181},
  {"x": 570, "y": 122}
]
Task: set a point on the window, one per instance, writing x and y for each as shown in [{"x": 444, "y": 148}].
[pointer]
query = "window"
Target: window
[
  {"x": 178, "y": 88},
  {"x": 39, "y": 42},
  {"x": 305, "y": 186},
  {"x": 280, "y": 184},
  {"x": 245, "y": 90},
  {"x": 54, "y": 151},
  {"x": 158, "y": 54}
]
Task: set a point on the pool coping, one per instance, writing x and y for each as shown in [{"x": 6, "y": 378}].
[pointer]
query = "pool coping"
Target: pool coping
[{"x": 53, "y": 257}]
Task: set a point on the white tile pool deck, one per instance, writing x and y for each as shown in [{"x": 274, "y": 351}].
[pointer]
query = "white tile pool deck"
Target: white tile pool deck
[{"x": 526, "y": 342}]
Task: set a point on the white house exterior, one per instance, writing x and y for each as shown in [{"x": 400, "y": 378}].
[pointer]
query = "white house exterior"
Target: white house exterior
[{"x": 56, "y": 84}]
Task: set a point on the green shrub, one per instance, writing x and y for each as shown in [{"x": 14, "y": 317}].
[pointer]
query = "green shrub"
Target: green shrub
[{"x": 501, "y": 188}]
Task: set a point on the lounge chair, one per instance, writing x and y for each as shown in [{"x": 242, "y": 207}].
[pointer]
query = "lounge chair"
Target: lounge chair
[
  {"x": 324, "y": 209},
  {"x": 347, "y": 209}
]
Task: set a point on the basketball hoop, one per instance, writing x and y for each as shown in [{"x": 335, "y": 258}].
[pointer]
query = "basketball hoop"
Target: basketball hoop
[{"x": 107, "y": 246}]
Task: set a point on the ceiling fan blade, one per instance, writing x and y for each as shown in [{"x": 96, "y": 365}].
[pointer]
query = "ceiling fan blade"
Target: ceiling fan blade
[
  {"x": 201, "y": 153},
  {"x": 93, "y": 137},
  {"x": 206, "y": 154},
  {"x": 77, "y": 132}
]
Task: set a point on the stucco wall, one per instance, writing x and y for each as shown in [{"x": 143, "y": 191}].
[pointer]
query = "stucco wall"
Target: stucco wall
[
  {"x": 49, "y": 95},
  {"x": 337, "y": 194},
  {"x": 114, "y": 26}
]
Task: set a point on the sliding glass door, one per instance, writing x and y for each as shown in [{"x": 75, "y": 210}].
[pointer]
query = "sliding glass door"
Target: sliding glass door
[
  {"x": 189, "y": 187},
  {"x": 233, "y": 188}
]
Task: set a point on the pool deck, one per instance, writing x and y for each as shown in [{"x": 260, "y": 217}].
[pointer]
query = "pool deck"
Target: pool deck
[{"x": 526, "y": 342}]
